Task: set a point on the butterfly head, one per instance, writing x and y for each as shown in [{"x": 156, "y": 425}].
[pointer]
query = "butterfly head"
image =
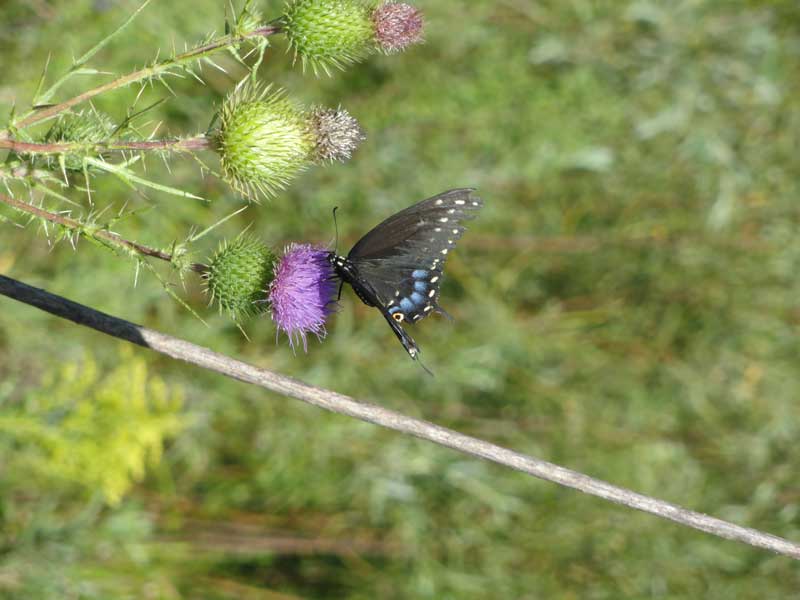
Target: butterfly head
[
  {"x": 339, "y": 263},
  {"x": 348, "y": 272}
]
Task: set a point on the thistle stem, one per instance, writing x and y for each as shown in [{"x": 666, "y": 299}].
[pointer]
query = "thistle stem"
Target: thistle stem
[
  {"x": 177, "y": 145},
  {"x": 102, "y": 235},
  {"x": 155, "y": 70}
]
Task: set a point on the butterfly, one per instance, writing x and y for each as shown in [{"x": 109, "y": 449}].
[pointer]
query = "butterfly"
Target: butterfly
[{"x": 397, "y": 267}]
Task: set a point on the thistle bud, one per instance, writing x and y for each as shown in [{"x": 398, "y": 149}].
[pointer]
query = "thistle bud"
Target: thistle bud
[
  {"x": 397, "y": 26},
  {"x": 336, "y": 33},
  {"x": 238, "y": 276},
  {"x": 88, "y": 127},
  {"x": 264, "y": 139},
  {"x": 302, "y": 292}
]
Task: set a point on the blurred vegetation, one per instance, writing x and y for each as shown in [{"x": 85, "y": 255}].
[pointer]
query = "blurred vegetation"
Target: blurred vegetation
[
  {"x": 97, "y": 434},
  {"x": 626, "y": 305}
]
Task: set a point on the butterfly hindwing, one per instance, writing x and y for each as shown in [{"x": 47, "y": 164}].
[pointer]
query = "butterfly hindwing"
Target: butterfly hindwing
[{"x": 413, "y": 292}]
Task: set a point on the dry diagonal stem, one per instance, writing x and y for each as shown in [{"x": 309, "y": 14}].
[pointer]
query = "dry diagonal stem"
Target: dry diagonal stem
[{"x": 344, "y": 405}]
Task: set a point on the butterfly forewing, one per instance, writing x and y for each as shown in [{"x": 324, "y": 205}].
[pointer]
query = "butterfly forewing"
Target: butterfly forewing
[
  {"x": 403, "y": 257},
  {"x": 417, "y": 223}
]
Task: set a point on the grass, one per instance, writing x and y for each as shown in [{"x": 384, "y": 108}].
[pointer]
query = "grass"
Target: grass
[{"x": 626, "y": 305}]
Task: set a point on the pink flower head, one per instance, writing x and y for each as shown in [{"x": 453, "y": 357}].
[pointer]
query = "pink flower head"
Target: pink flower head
[
  {"x": 397, "y": 26},
  {"x": 301, "y": 294}
]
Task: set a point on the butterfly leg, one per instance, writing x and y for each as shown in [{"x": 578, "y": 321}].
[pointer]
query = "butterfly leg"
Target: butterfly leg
[
  {"x": 444, "y": 313},
  {"x": 341, "y": 285}
]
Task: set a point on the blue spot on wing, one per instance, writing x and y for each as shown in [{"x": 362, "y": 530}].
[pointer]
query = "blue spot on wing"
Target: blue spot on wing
[
  {"x": 419, "y": 274},
  {"x": 421, "y": 286},
  {"x": 406, "y": 305},
  {"x": 417, "y": 298}
]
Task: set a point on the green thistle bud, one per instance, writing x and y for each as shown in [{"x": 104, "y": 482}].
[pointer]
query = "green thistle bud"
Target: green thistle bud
[
  {"x": 336, "y": 33},
  {"x": 239, "y": 275},
  {"x": 90, "y": 127},
  {"x": 263, "y": 140},
  {"x": 326, "y": 33}
]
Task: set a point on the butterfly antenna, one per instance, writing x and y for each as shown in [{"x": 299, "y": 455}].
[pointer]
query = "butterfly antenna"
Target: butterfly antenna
[{"x": 336, "y": 229}]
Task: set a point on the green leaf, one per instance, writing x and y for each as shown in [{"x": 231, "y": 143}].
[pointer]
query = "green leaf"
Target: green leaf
[
  {"x": 131, "y": 178},
  {"x": 78, "y": 64}
]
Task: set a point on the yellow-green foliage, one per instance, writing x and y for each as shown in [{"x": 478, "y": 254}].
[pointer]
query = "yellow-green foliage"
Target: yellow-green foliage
[{"x": 97, "y": 430}]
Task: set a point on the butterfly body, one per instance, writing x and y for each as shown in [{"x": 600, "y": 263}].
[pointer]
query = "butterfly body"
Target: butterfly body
[{"x": 398, "y": 266}]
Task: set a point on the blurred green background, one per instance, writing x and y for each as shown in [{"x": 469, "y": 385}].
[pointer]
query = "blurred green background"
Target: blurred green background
[{"x": 626, "y": 305}]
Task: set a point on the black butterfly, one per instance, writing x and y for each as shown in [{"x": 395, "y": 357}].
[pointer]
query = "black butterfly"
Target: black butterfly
[{"x": 397, "y": 267}]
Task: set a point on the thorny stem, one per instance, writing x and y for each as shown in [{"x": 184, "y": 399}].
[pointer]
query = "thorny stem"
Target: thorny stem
[
  {"x": 98, "y": 234},
  {"x": 177, "y": 145},
  {"x": 155, "y": 70}
]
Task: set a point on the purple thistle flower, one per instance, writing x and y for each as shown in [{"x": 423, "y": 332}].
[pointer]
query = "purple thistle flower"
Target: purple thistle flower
[
  {"x": 301, "y": 294},
  {"x": 397, "y": 26}
]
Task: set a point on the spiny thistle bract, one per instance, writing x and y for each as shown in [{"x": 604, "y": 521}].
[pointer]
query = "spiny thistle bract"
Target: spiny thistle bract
[
  {"x": 239, "y": 275},
  {"x": 265, "y": 139},
  {"x": 89, "y": 127},
  {"x": 302, "y": 292},
  {"x": 336, "y": 33}
]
